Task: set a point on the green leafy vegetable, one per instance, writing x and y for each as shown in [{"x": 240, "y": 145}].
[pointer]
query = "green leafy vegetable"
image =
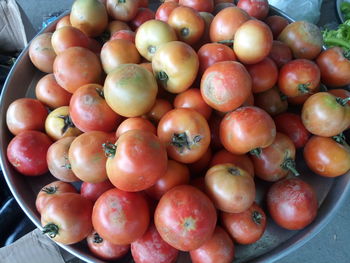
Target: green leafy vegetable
[
  {"x": 339, "y": 37},
  {"x": 345, "y": 9}
]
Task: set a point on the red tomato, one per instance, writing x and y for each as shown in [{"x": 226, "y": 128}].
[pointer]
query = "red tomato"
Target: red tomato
[
  {"x": 226, "y": 85},
  {"x": 212, "y": 53},
  {"x": 185, "y": 133},
  {"x": 291, "y": 125},
  {"x": 159, "y": 109},
  {"x": 90, "y": 112},
  {"x": 26, "y": 114},
  {"x": 50, "y": 93},
  {"x": 67, "y": 218},
  {"x": 122, "y": 10},
  {"x": 41, "y": 52},
  {"x": 115, "y": 25},
  {"x": 247, "y": 227},
  {"x": 137, "y": 162},
  {"x": 136, "y": 123},
  {"x": 280, "y": 53},
  {"x": 208, "y": 18},
  {"x": 264, "y": 75},
  {"x": 51, "y": 190},
  {"x": 93, "y": 191},
  {"x": 124, "y": 34},
  {"x": 164, "y": 10},
  {"x": 334, "y": 66},
  {"x": 255, "y": 8},
  {"x": 104, "y": 249},
  {"x": 151, "y": 248},
  {"x": 292, "y": 203},
  {"x": 120, "y": 217},
  {"x": 276, "y": 24},
  {"x": 199, "y": 5},
  {"x": 327, "y": 157},
  {"x": 64, "y": 21},
  {"x": 185, "y": 218},
  {"x": 241, "y": 161},
  {"x": 219, "y": 248},
  {"x": 27, "y": 152},
  {"x": 272, "y": 101},
  {"x": 176, "y": 174},
  {"x": 67, "y": 37},
  {"x": 192, "y": 98},
  {"x": 246, "y": 129},
  {"x": 231, "y": 188},
  {"x": 142, "y": 15},
  {"x": 253, "y": 42}
]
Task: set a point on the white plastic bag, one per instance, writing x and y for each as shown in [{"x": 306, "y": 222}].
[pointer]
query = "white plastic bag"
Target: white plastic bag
[{"x": 308, "y": 10}]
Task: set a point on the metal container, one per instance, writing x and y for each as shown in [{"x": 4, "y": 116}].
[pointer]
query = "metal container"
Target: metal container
[{"x": 276, "y": 242}]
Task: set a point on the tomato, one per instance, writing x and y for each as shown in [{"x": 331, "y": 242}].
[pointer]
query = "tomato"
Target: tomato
[
  {"x": 41, "y": 52},
  {"x": 326, "y": 156},
  {"x": 199, "y": 167},
  {"x": 246, "y": 227},
  {"x": 93, "y": 191},
  {"x": 276, "y": 24},
  {"x": 89, "y": 16},
  {"x": 151, "y": 35},
  {"x": 124, "y": 34},
  {"x": 341, "y": 93},
  {"x": 241, "y": 161},
  {"x": 255, "y": 8},
  {"x": 120, "y": 217},
  {"x": 214, "y": 125},
  {"x": 115, "y": 26},
  {"x": 291, "y": 125},
  {"x": 137, "y": 162},
  {"x": 58, "y": 124},
  {"x": 75, "y": 67},
  {"x": 219, "y": 248},
  {"x": 142, "y": 15},
  {"x": 27, "y": 152},
  {"x": 226, "y": 85},
  {"x": 220, "y": 6},
  {"x": 264, "y": 75},
  {"x": 51, "y": 190},
  {"x": 66, "y": 218},
  {"x": 50, "y": 93},
  {"x": 212, "y": 53},
  {"x": 176, "y": 174},
  {"x": 226, "y": 23},
  {"x": 187, "y": 23},
  {"x": 136, "y": 123},
  {"x": 87, "y": 156},
  {"x": 122, "y": 10},
  {"x": 280, "y": 53},
  {"x": 272, "y": 101},
  {"x": 299, "y": 77},
  {"x": 335, "y": 67},
  {"x": 185, "y": 133},
  {"x": 90, "y": 112},
  {"x": 175, "y": 65},
  {"x": 246, "y": 129},
  {"x": 130, "y": 83},
  {"x": 57, "y": 160},
  {"x": 253, "y": 42},
  {"x": 326, "y": 115},
  {"x": 67, "y": 37},
  {"x": 185, "y": 218},
  {"x": 164, "y": 10},
  {"x": 159, "y": 109},
  {"x": 151, "y": 248},
  {"x": 292, "y": 203},
  {"x": 104, "y": 249},
  {"x": 199, "y": 5},
  {"x": 143, "y": 3},
  {"x": 64, "y": 21},
  {"x": 26, "y": 114},
  {"x": 208, "y": 18},
  {"x": 303, "y": 38},
  {"x": 192, "y": 98},
  {"x": 231, "y": 188}
]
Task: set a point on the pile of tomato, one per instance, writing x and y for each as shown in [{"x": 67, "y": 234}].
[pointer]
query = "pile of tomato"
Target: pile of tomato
[{"x": 170, "y": 118}]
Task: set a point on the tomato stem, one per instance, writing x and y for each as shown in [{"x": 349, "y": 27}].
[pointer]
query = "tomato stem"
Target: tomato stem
[
  {"x": 67, "y": 123},
  {"x": 234, "y": 171},
  {"x": 323, "y": 88},
  {"x": 50, "y": 190},
  {"x": 162, "y": 77},
  {"x": 289, "y": 164},
  {"x": 341, "y": 101},
  {"x": 180, "y": 140},
  {"x": 51, "y": 229},
  {"x": 225, "y": 42},
  {"x": 347, "y": 54},
  {"x": 283, "y": 96},
  {"x": 340, "y": 138},
  {"x": 100, "y": 93},
  {"x": 257, "y": 216},
  {"x": 304, "y": 88},
  {"x": 121, "y": 1},
  {"x": 256, "y": 152},
  {"x": 151, "y": 49},
  {"x": 109, "y": 149},
  {"x": 97, "y": 238},
  {"x": 184, "y": 32}
]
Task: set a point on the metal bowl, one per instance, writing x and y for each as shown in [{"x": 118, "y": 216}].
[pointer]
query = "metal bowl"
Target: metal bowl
[{"x": 276, "y": 242}]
